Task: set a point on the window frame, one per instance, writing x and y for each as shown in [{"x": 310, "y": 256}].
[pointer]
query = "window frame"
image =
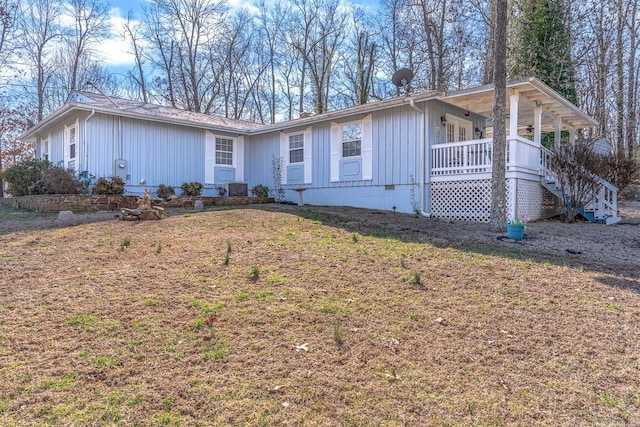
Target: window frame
[
  {"x": 298, "y": 149},
  {"x": 73, "y": 137},
  {"x": 351, "y": 141},
  {"x": 45, "y": 149},
  {"x": 226, "y": 155},
  {"x": 458, "y": 123}
]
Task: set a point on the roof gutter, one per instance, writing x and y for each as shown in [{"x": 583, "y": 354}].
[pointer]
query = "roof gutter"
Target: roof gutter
[{"x": 30, "y": 134}]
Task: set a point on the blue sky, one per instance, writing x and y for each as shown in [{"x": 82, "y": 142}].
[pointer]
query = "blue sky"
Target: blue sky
[
  {"x": 115, "y": 52},
  {"x": 135, "y": 5}
]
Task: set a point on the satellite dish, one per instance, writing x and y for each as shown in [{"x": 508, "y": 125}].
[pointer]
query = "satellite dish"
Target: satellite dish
[{"x": 402, "y": 77}]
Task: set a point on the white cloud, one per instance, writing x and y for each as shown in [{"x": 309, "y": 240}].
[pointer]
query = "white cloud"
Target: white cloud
[{"x": 116, "y": 50}]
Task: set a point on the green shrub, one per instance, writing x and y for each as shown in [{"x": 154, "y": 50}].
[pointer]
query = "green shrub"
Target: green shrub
[
  {"x": 165, "y": 192},
  {"x": 57, "y": 181},
  {"x": 191, "y": 188},
  {"x": 114, "y": 185},
  {"x": 23, "y": 175},
  {"x": 260, "y": 191}
]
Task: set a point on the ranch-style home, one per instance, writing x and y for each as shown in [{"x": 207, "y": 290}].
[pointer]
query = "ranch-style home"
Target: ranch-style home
[{"x": 429, "y": 152}]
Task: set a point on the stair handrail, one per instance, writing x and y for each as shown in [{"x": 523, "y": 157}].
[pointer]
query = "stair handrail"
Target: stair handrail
[{"x": 605, "y": 198}]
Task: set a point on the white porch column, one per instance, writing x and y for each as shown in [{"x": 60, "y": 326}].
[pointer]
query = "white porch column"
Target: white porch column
[
  {"x": 572, "y": 136},
  {"x": 537, "y": 125},
  {"x": 513, "y": 114},
  {"x": 557, "y": 133}
]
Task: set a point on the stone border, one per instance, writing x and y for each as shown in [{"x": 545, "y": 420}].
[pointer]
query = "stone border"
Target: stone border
[{"x": 95, "y": 203}]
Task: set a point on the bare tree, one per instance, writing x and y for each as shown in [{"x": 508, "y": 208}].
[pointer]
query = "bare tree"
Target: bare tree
[
  {"x": 182, "y": 33},
  {"x": 619, "y": 88},
  {"x": 132, "y": 30},
  {"x": 632, "y": 85},
  {"x": 360, "y": 60},
  {"x": 435, "y": 17},
  {"x": 318, "y": 45},
  {"x": 498, "y": 220},
  {"x": 162, "y": 53},
  {"x": 390, "y": 26},
  {"x": 8, "y": 14},
  {"x": 91, "y": 25},
  {"x": 485, "y": 13},
  {"x": 290, "y": 78},
  {"x": 38, "y": 30},
  {"x": 271, "y": 22}
]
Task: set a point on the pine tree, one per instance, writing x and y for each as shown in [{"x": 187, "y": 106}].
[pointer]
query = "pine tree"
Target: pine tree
[{"x": 543, "y": 45}]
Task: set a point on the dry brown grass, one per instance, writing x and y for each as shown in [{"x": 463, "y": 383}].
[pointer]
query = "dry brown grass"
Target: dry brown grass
[{"x": 401, "y": 329}]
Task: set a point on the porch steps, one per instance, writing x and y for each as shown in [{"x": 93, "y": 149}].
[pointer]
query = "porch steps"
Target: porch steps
[{"x": 593, "y": 211}]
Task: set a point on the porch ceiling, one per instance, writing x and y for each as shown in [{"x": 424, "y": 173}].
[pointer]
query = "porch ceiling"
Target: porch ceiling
[{"x": 531, "y": 92}]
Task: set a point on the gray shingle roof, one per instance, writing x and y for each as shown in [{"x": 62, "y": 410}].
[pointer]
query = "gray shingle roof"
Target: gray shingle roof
[{"x": 128, "y": 107}]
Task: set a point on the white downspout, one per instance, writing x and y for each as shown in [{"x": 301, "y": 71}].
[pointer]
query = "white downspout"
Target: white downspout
[
  {"x": 422, "y": 142},
  {"x": 84, "y": 140},
  {"x": 120, "y": 150}
]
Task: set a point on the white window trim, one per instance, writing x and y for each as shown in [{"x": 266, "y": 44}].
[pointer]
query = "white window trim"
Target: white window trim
[
  {"x": 224, "y": 151},
  {"x": 44, "y": 144},
  {"x": 284, "y": 154},
  {"x": 366, "y": 148},
  {"x": 342, "y": 125},
  {"x": 459, "y": 122},
  {"x": 289, "y": 149},
  {"x": 66, "y": 146},
  {"x": 210, "y": 157}
]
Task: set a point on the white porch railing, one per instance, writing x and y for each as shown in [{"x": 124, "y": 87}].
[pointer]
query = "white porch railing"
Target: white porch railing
[
  {"x": 524, "y": 159},
  {"x": 466, "y": 157},
  {"x": 462, "y": 157}
]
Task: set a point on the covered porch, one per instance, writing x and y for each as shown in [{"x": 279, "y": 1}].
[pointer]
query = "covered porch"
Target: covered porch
[{"x": 459, "y": 177}]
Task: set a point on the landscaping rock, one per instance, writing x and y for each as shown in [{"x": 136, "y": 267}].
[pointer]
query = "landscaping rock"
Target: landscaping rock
[
  {"x": 66, "y": 218},
  {"x": 198, "y": 205}
]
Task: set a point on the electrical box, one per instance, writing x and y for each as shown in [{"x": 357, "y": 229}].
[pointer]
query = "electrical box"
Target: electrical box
[{"x": 121, "y": 169}]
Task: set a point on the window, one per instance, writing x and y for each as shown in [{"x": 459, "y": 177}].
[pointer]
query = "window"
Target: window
[
  {"x": 296, "y": 148},
  {"x": 45, "y": 150},
  {"x": 352, "y": 140},
  {"x": 72, "y": 143},
  {"x": 457, "y": 129},
  {"x": 451, "y": 132},
  {"x": 224, "y": 151},
  {"x": 462, "y": 134}
]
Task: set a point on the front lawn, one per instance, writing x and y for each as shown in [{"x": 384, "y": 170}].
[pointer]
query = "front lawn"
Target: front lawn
[{"x": 259, "y": 317}]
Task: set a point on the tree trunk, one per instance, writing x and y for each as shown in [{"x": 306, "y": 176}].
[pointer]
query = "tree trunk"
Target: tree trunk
[
  {"x": 632, "y": 120},
  {"x": 620, "y": 151},
  {"x": 488, "y": 64},
  {"x": 498, "y": 220}
]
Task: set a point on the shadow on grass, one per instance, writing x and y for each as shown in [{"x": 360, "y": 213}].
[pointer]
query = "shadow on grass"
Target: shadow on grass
[
  {"x": 381, "y": 224},
  {"x": 424, "y": 230}
]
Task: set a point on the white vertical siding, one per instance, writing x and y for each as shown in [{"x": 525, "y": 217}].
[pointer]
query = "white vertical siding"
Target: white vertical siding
[
  {"x": 335, "y": 152},
  {"x": 209, "y": 158},
  {"x": 367, "y": 149},
  {"x": 308, "y": 158},
  {"x": 238, "y": 158},
  {"x": 284, "y": 155}
]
